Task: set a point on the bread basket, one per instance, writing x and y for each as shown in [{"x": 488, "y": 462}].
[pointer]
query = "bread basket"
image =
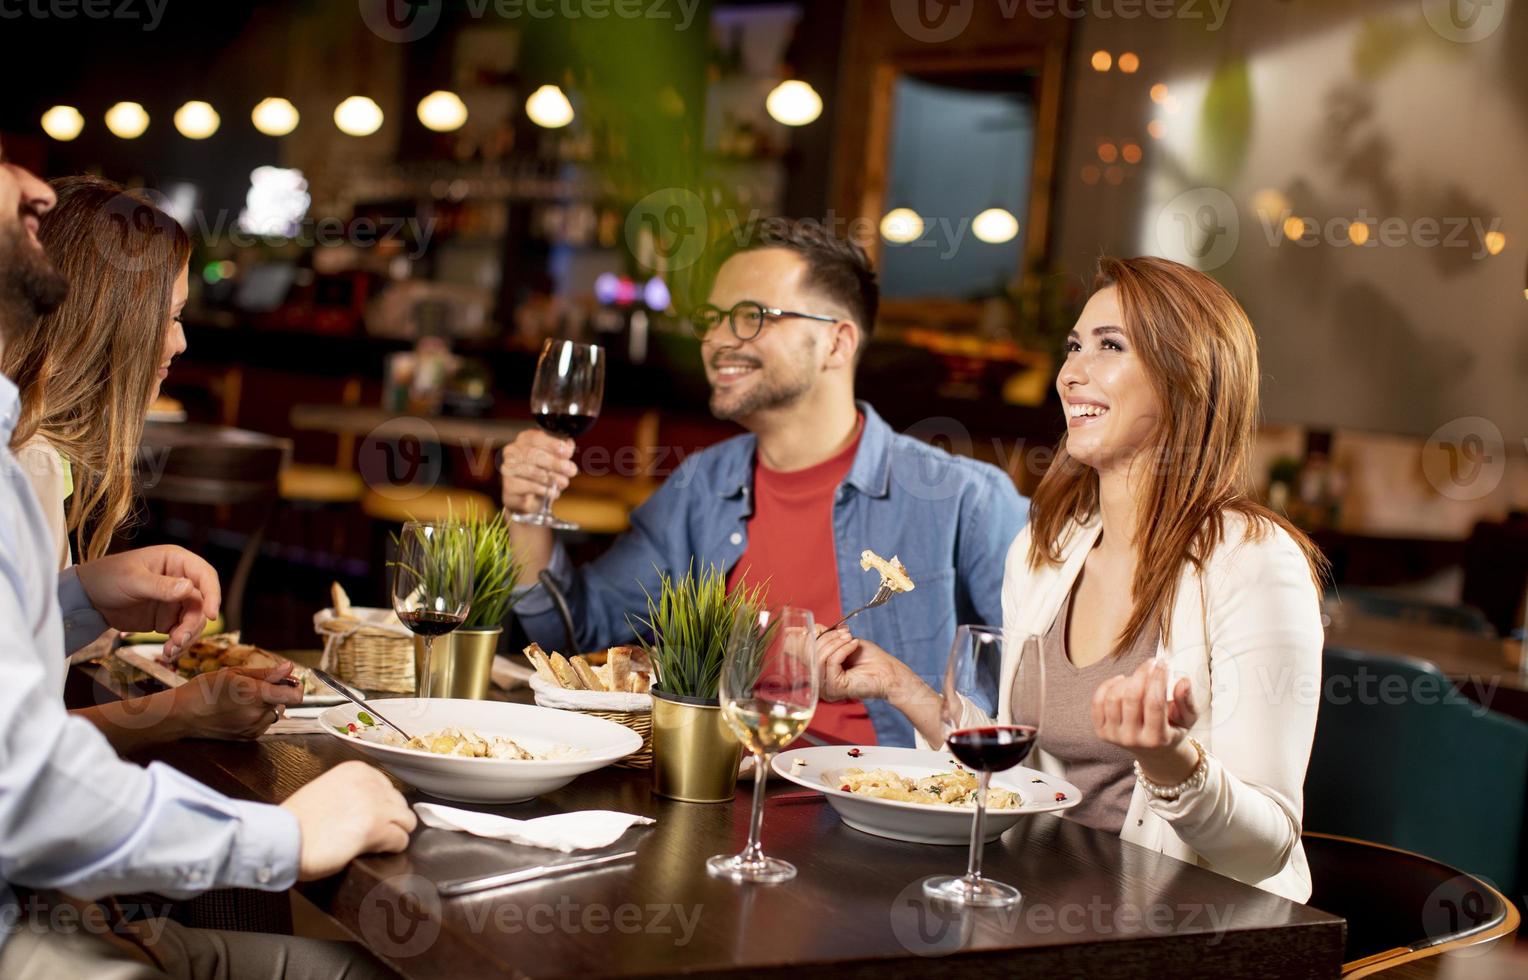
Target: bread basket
[
  {"x": 635, "y": 711},
  {"x": 367, "y": 648}
]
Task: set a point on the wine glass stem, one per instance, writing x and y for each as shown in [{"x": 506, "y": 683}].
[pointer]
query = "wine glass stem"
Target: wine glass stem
[
  {"x": 425, "y": 666},
  {"x": 754, "y": 852},
  {"x": 978, "y": 827},
  {"x": 546, "y": 504}
]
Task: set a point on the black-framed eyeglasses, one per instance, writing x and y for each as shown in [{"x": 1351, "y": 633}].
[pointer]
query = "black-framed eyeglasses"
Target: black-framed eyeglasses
[{"x": 746, "y": 318}]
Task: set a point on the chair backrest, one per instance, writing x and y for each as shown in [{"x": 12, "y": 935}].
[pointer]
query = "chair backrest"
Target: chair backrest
[
  {"x": 1401, "y": 758},
  {"x": 1399, "y": 905},
  {"x": 225, "y": 479},
  {"x": 1460, "y": 617}
]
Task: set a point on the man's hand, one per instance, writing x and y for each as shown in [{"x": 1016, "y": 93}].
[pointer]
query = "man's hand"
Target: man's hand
[
  {"x": 533, "y": 465},
  {"x": 235, "y": 703},
  {"x": 350, "y": 810},
  {"x": 164, "y": 588}
]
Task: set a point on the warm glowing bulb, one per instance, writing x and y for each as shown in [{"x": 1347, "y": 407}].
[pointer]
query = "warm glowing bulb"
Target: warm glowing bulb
[
  {"x": 1131, "y": 152},
  {"x": 1159, "y": 93},
  {"x": 1102, "y": 61},
  {"x": 1294, "y": 229},
  {"x": 275, "y": 117},
  {"x": 1108, "y": 152},
  {"x": 1495, "y": 241},
  {"x": 1156, "y": 129},
  {"x": 358, "y": 116},
  {"x": 901, "y": 225},
  {"x": 549, "y": 108},
  {"x": 127, "y": 120},
  {"x": 1269, "y": 202},
  {"x": 995, "y": 226},
  {"x": 1129, "y": 63},
  {"x": 794, "y": 103},
  {"x": 63, "y": 122},
  {"x": 442, "y": 111},
  {"x": 1358, "y": 233},
  {"x": 1090, "y": 174},
  {"x": 196, "y": 120}
]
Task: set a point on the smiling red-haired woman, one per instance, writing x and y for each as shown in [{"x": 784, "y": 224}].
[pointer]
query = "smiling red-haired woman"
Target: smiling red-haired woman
[{"x": 1179, "y": 618}]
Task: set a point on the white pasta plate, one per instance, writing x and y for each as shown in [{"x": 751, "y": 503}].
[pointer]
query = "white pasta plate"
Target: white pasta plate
[
  {"x": 822, "y": 767},
  {"x": 581, "y": 744}
]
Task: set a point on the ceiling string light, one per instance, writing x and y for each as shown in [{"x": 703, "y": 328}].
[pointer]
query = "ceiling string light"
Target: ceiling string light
[
  {"x": 549, "y": 108},
  {"x": 127, "y": 120},
  {"x": 275, "y": 117},
  {"x": 358, "y": 116},
  {"x": 63, "y": 122},
  {"x": 442, "y": 111},
  {"x": 794, "y": 103},
  {"x": 197, "y": 120}
]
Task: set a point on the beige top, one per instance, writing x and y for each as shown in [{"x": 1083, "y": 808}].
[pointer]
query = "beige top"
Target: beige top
[
  {"x": 52, "y": 483},
  {"x": 1103, "y": 771}
]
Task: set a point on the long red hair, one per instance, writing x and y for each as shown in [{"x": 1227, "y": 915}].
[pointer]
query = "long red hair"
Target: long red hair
[{"x": 1200, "y": 352}]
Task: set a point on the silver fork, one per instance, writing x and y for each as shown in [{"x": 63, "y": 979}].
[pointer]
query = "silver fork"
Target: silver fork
[{"x": 879, "y": 599}]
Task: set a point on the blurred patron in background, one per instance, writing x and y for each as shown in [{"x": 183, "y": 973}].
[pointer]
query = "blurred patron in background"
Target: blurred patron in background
[
  {"x": 87, "y": 371},
  {"x": 1148, "y": 558},
  {"x": 78, "y": 824},
  {"x": 818, "y": 479}
]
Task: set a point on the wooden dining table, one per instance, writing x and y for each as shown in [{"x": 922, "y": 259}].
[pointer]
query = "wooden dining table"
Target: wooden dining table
[{"x": 1093, "y": 905}]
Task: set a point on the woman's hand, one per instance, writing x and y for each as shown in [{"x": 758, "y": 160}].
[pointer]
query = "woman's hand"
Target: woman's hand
[
  {"x": 234, "y": 703},
  {"x": 1134, "y": 713}
]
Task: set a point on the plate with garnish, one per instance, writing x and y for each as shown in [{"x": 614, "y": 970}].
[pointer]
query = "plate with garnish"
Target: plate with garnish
[{"x": 919, "y": 795}]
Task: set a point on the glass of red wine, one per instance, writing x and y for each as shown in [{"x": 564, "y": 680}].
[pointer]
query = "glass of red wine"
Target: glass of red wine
[
  {"x": 432, "y": 585},
  {"x": 565, "y": 401},
  {"x": 987, "y": 747}
]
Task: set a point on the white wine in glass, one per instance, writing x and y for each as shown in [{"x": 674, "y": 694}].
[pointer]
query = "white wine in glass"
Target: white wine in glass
[{"x": 768, "y": 689}]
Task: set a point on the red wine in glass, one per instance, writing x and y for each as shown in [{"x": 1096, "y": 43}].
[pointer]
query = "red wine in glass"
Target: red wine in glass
[
  {"x": 426, "y": 623},
  {"x": 993, "y": 748},
  {"x": 565, "y": 401},
  {"x": 565, "y": 424},
  {"x": 979, "y": 654}
]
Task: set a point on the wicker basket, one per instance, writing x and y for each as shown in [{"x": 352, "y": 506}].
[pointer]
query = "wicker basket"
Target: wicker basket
[
  {"x": 373, "y": 658},
  {"x": 640, "y": 722}
]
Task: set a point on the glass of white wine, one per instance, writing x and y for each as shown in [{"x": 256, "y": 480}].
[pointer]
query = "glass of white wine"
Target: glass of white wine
[{"x": 769, "y": 686}]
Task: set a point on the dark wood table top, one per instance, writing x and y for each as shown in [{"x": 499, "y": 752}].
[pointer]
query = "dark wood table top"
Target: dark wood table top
[{"x": 1093, "y": 904}]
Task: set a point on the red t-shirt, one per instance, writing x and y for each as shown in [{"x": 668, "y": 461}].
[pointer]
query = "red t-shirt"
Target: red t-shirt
[{"x": 791, "y": 547}]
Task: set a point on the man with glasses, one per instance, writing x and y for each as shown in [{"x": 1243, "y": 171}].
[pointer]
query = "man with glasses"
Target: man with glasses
[{"x": 818, "y": 479}]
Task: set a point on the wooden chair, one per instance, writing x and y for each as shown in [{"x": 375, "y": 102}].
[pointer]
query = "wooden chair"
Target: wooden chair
[
  {"x": 1401, "y": 907},
  {"x": 213, "y": 482}
]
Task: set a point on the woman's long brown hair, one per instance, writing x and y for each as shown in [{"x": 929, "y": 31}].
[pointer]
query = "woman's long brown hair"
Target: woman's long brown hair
[
  {"x": 86, "y": 370},
  {"x": 1200, "y": 353}
]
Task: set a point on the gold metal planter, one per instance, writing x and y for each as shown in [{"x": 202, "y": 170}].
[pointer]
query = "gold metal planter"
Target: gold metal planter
[
  {"x": 695, "y": 754},
  {"x": 461, "y": 664}
]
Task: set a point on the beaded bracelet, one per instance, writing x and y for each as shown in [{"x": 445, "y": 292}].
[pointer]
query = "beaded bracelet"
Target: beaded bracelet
[{"x": 1194, "y": 781}]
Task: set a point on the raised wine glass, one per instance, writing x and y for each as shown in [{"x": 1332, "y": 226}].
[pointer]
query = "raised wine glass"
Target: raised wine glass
[
  {"x": 975, "y": 658},
  {"x": 432, "y": 584},
  {"x": 768, "y": 689},
  {"x": 565, "y": 401}
]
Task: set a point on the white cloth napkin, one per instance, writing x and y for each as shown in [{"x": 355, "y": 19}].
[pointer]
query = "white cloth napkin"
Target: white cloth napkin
[{"x": 576, "y": 831}]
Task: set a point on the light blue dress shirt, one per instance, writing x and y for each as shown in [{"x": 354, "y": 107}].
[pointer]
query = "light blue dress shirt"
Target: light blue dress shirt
[{"x": 73, "y": 816}]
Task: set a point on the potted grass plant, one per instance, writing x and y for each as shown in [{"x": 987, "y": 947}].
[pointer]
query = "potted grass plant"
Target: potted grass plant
[
  {"x": 688, "y": 626},
  {"x": 462, "y": 663}
]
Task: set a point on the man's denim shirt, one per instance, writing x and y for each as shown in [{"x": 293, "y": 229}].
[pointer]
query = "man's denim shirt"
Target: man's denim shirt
[{"x": 949, "y": 518}]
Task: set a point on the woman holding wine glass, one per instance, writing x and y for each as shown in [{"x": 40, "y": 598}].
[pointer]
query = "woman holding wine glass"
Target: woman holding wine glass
[{"x": 1179, "y": 617}]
